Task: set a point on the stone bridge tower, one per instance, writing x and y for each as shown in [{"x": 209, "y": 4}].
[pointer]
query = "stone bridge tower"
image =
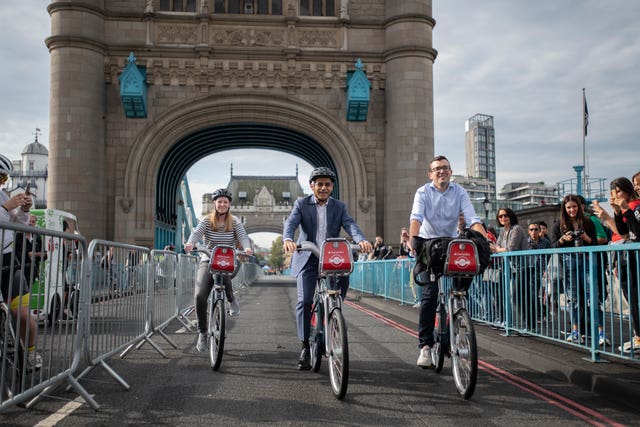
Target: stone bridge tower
[{"x": 223, "y": 74}]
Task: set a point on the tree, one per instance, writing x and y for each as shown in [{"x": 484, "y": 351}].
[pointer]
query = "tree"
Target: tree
[{"x": 276, "y": 257}]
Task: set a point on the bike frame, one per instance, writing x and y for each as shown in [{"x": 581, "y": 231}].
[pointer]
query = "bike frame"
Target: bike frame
[
  {"x": 335, "y": 260},
  {"x": 223, "y": 261},
  {"x": 457, "y": 301},
  {"x": 330, "y": 299}
]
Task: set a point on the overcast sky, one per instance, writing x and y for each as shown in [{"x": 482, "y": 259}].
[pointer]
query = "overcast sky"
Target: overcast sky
[{"x": 523, "y": 62}]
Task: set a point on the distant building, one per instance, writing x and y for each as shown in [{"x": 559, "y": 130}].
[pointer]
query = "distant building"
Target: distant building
[
  {"x": 261, "y": 202},
  {"x": 529, "y": 194},
  {"x": 479, "y": 139},
  {"x": 32, "y": 170},
  {"x": 480, "y": 181},
  {"x": 479, "y": 190}
]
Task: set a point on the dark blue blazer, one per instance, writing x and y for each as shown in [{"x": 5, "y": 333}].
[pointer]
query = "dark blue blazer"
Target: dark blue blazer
[{"x": 305, "y": 216}]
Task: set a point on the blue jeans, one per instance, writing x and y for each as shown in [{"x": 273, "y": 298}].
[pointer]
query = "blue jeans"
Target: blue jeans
[{"x": 576, "y": 267}]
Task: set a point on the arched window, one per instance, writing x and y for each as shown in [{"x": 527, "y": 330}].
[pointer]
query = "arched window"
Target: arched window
[
  {"x": 248, "y": 7},
  {"x": 317, "y": 7}
]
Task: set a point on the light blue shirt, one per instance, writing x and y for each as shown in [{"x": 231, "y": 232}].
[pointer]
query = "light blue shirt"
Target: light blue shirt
[{"x": 438, "y": 211}]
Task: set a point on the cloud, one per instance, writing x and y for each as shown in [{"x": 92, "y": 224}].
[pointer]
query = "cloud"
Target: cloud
[
  {"x": 24, "y": 74},
  {"x": 526, "y": 64},
  {"x": 214, "y": 171}
]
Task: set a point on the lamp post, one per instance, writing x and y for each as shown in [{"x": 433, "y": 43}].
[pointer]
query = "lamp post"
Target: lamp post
[{"x": 486, "y": 203}]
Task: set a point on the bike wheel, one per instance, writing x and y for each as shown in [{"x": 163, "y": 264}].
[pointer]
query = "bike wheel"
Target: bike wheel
[
  {"x": 217, "y": 320},
  {"x": 316, "y": 337},
  {"x": 441, "y": 338},
  {"x": 464, "y": 356},
  {"x": 11, "y": 355},
  {"x": 338, "y": 354}
]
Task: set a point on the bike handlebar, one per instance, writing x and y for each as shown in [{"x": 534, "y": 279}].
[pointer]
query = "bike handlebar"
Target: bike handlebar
[
  {"x": 205, "y": 251},
  {"x": 314, "y": 249}
]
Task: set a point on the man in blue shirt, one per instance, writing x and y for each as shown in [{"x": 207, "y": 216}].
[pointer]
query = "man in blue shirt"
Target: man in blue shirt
[{"x": 436, "y": 208}]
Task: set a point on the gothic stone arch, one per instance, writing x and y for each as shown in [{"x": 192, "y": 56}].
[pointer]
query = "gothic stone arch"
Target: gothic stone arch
[{"x": 135, "y": 210}]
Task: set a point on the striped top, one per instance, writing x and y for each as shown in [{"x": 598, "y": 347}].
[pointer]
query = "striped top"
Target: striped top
[{"x": 211, "y": 238}]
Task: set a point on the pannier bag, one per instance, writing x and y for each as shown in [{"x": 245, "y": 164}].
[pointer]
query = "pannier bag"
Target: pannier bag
[
  {"x": 431, "y": 258},
  {"x": 433, "y": 254},
  {"x": 482, "y": 246}
]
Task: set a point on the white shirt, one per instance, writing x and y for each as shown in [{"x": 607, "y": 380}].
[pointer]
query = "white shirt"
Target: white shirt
[
  {"x": 438, "y": 211},
  {"x": 321, "y": 232}
]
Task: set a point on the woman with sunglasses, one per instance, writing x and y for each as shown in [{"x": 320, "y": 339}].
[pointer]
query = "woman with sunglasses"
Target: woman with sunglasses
[
  {"x": 575, "y": 229},
  {"x": 512, "y": 237},
  {"x": 626, "y": 227}
]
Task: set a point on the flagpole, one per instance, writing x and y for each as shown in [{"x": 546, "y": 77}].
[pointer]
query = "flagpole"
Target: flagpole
[{"x": 585, "y": 121}]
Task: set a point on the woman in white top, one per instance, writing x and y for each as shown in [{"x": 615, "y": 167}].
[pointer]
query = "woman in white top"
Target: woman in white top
[
  {"x": 15, "y": 289},
  {"x": 218, "y": 228}
]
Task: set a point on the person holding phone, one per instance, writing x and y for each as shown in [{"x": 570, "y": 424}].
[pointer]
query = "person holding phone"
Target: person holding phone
[
  {"x": 16, "y": 209},
  {"x": 625, "y": 224}
]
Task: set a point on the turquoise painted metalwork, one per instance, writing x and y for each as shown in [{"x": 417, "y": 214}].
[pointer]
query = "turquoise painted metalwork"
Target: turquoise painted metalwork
[
  {"x": 541, "y": 293},
  {"x": 358, "y": 87},
  {"x": 133, "y": 89}
]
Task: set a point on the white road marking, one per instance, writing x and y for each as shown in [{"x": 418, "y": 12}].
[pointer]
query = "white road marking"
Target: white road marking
[{"x": 63, "y": 412}]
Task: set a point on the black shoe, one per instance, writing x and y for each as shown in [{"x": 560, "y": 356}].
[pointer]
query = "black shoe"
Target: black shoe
[{"x": 304, "y": 362}]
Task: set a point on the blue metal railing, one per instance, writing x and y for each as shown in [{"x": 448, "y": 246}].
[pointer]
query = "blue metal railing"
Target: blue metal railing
[{"x": 592, "y": 290}]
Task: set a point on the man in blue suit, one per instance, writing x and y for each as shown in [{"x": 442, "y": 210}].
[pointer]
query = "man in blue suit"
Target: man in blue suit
[{"x": 319, "y": 217}]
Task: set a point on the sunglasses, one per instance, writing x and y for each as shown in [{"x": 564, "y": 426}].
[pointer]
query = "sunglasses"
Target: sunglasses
[
  {"x": 503, "y": 216},
  {"x": 534, "y": 229}
]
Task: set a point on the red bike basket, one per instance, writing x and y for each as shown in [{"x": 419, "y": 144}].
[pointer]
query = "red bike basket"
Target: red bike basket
[
  {"x": 336, "y": 257},
  {"x": 462, "y": 259},
  {"x": 223, "y": 260}
]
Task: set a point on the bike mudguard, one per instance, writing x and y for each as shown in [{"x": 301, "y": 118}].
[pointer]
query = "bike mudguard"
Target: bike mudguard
[{"x": 336, "y": 257}]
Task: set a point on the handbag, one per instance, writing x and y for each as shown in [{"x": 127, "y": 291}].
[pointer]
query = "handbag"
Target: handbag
[{"x": 491, "y": 275}]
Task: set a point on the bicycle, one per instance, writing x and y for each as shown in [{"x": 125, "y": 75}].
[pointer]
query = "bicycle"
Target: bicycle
[
  {"x": 222, "y": 262},
  {"x": 328, "y": 336},
  {"x": 454, "y": 333}
]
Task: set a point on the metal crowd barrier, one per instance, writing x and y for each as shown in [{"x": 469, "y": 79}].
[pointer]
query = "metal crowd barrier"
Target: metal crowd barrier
[
  {"x": 546, "y": 293},
  {"x": 88, "y": 303},
  {"x": 117, "y": 302},
  {"x": 186, "y": 279},
  {"x": 49, "y": 267}
]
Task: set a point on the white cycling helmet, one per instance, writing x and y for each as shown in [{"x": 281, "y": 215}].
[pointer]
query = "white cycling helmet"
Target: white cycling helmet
[{"x": 6, "y": 167}]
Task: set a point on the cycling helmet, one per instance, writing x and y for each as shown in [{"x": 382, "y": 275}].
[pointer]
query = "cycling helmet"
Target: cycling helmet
[
  {"x": 322, "y": 171},
  {"x": 6, "y": 167},
  {"x": 222, "y": 192}
]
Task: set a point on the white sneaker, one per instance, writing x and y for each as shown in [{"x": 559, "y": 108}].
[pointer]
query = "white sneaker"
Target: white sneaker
[
  {"x": 34, "y": 360},
  {"x": 424, "y": 358},
  {"x": 234, "y": 309},
  {"x": 627, "y": 346},
  {"x": 202, "y": 342}
]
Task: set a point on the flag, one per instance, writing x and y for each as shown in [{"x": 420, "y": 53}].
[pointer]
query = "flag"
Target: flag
[{"x": 586, "y": 113}]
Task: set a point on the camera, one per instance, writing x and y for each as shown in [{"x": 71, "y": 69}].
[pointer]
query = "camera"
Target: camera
[{"x": 577, "y": 234}]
